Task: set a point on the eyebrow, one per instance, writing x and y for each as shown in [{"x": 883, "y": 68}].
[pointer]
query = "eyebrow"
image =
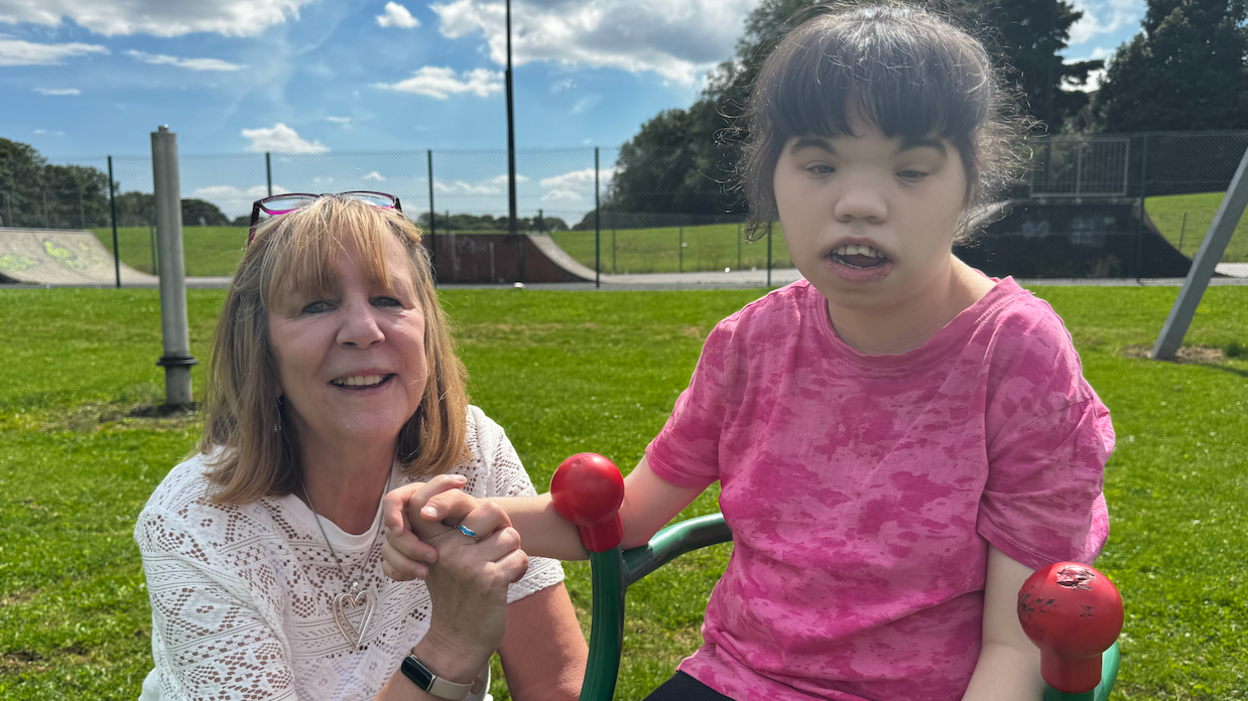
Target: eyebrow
[{"x": 826, "y": 146}]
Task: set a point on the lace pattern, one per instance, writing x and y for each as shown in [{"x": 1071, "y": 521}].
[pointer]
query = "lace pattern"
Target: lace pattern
[{"x": 241, "y": 594}]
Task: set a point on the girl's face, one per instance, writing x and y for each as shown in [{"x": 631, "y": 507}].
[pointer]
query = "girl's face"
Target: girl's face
[{"x": 870, "y": 220}]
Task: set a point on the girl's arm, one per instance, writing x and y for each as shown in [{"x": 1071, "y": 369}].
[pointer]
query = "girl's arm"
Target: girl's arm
[
  {"x": 650, "y": 502},
  {"x": 1009, "y": 664}
]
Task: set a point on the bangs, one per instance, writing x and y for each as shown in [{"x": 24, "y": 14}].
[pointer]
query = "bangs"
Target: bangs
[
  {"x": 878, "y": 63},
  {"x": 301, "y": 249}
]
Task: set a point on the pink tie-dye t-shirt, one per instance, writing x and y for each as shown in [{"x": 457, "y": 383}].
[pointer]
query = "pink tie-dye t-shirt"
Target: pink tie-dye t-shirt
[{"x": 863, "y": 491}]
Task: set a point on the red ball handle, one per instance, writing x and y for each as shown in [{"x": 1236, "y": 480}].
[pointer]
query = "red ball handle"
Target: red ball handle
[
  {"x": 1073, "y": 613},
  {"x": 587, "y": 490}
]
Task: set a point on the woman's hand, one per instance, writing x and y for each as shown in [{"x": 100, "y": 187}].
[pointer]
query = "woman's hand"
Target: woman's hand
[{"x": 441, "y": 500}]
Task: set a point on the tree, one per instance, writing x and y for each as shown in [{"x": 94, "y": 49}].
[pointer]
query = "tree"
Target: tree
[
  {"x": 1186, "y": 70},
  {"x": 35, "y": 194},
  {"x": 201, "y": 213},
  {"x": 680, "y": 159}
]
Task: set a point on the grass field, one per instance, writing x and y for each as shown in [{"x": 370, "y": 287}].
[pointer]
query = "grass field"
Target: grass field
[
  {"x": 674, "y": 249},
  {"x": 208, "y": 250},
  {"x": 564, "y": 372},
  {"x": 1167, "y": 213}
]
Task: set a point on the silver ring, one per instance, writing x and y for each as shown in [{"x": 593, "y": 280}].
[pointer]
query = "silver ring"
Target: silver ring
[{"x": 469, "y": 532}]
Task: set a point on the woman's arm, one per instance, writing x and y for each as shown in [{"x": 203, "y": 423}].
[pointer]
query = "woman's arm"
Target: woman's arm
[
  {"x": 1009, "y": 664},
  {"x": 544, "y": 650}
]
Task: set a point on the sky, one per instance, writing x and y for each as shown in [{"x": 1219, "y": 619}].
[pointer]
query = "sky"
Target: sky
[{"x": 318, "y": 82}]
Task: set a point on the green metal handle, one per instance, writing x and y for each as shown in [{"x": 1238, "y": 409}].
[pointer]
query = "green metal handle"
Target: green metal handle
[
  {"x": 606, "y": 631},
  {"x": 674, "y": 541}
]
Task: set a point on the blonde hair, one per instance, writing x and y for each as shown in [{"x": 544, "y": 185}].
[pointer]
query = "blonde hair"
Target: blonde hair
[{"x": 247, "y": 457}]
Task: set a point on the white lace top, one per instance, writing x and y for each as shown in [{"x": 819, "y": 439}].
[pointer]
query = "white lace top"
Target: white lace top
[{"x": 241, "y": 595}]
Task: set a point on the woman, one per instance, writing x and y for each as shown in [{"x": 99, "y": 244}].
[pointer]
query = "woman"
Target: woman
[{"x": 333, "y": 381}]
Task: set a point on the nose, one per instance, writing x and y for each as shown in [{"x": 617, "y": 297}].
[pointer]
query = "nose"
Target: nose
[
  {"x": 359, "y": 327},
  {"x": 862, "y": 199}
]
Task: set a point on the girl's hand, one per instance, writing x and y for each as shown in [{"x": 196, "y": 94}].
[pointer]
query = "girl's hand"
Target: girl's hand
[{"x": 406, "y": 509}]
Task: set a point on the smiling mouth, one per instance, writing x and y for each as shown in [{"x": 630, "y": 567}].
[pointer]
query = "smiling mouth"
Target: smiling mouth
[
  {"x": 857, "y": 256},
  {"x": 361, "y": 381}
]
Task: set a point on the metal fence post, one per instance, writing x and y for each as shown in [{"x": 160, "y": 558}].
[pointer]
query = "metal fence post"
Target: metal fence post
[
  {"x": 769, "y": 256},
  {"x": 433, "y": 229},
  {"x": 1139, "y": 232},
  {"x": 268, "y": 172},
  {"x": 177, "y": 359},
  {"x": 112, "y": 208},
  {"x": 681, "y": 250},
  {"x": 597, "y": 228},
  {"x": 738, "y": 245}
]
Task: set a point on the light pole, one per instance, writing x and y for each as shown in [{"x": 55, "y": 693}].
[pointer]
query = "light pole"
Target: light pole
[{"x": 511, "y": 151}]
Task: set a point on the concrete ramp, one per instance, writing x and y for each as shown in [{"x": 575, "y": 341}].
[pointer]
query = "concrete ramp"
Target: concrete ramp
[{"x": 56, "y": 257}]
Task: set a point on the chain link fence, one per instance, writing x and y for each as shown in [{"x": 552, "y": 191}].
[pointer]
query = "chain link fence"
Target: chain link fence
[{"x": 1077, "y": 213}]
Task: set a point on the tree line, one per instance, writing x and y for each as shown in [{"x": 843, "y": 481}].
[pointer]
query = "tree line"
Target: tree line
[{"x": 1186, "y": 70}]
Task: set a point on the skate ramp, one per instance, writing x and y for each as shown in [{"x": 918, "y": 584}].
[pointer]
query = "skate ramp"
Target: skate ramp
[{"x": 56, "y": 257}]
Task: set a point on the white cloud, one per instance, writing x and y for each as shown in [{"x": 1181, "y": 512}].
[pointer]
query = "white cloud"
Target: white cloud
[
  {"x": 586, "y": 104},
  {"x": 441, "y": 83},
  {"x": 195, "y": 64},
  {"x": 233, "y": 200},
  {"x": 281, "y": 139},
  {"x": 15, "y": 52},
  {"x": 397, "y": 16},
  {"x": 1103, "y": 17},
  {"x": 502, "y": 179},
  {"x": 344, "y": 121},
  {"x": 58, "y": 91},
  {"x": 678, "y": 39},
  {"x": 1094, "y": 77},
  {"x": 375, "y": 177},
  {"x": 459, "y": 187},
  {"x": 575, "y": 185},
  {"x": 160, "y": 18}
]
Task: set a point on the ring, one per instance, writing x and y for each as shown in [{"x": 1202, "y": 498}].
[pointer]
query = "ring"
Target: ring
[{"x": 470, "y": 533}]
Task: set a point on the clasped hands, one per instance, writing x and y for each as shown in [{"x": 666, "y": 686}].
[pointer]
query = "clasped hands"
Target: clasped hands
[{"x": 467, "y": 577}]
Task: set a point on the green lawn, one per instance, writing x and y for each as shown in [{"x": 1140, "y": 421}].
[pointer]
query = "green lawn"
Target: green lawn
[
  {"x": 564, "y": 372},
  {"x": 708, "y": 247},
  {"x": 1168, "y": 214},
  {"x": 208, "y": 250}
]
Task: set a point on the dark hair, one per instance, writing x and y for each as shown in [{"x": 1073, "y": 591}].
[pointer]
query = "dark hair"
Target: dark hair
[{"x": 904, "y": 69}]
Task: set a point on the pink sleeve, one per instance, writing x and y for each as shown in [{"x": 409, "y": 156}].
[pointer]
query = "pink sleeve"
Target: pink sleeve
[
  {"x": 686, "y": 451},
  {"x": 1043, "y": 501}
]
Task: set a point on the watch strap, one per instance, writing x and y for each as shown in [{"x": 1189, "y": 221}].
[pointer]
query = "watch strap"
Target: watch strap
[{"x": 427, "y": 681}]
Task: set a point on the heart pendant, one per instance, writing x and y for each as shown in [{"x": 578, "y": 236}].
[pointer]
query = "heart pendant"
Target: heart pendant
[{"x": 347, "y": 602}]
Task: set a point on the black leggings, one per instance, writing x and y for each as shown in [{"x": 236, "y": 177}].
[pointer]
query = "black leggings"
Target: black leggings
[{"x": 682, "y": 687}]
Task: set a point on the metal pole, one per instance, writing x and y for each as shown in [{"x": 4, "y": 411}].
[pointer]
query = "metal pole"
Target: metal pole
[
  {"x": 597, "y": 228},
  {"x": 1139, "y": 232},
  {"x": 1207, "y": 257},
  {"x": 433, "y": 229},
  {"x": 268, "y": 172},
  {"x": 177, "y": 359},
  {"x": 738, "y": 245},
  {"x": 680, "y": 251},
  {"x": 769, "y": 256},
  {"x": 112, "y": 207},
  {"x": 1182, "y": 230},
  {"x": 511, "y": 150}
]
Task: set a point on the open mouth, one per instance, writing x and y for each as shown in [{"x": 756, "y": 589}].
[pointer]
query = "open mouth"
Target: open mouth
[
  {"x": 857, "y": 256},
  {"x": 361, "y": 381}
]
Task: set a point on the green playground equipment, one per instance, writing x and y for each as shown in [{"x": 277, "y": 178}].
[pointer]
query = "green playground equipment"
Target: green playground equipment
[{"x": 1079, "y": 653}]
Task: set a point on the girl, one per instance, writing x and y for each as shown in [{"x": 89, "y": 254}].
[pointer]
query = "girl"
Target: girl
[{"x": 900, "y": 440}]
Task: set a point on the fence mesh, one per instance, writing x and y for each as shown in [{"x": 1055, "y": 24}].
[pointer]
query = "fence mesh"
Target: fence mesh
[{"x": 581, "y": 216}]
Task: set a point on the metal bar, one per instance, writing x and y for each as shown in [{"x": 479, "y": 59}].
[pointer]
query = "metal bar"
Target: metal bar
[
  {"x": 177, "y": 359},
  {"x": 1126, "y": 166},
  {"x": 433, "y": 229},
  {"x": 1203, "y": 265},
  {"x": 769, "y": 256},
  {"x": 1139, "y": 231},
  {"x": 672, "y": 542},
  {"x": 268, "y": 172},
  {"x": 511, "y": 150},
  {"x": 597, "y": 228},
  {"x": 606, "y": 631},
  {"x": 112, "y": 208}
]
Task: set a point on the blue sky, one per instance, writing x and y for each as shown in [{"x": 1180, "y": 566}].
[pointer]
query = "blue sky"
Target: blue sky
[{"x": 84, "y": 78}]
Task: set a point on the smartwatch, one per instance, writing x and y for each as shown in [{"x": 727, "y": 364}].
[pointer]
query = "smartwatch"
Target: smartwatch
[{"x": 427, "y": 681}]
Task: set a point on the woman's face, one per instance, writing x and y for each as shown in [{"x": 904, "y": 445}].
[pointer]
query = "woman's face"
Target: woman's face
[{"x": 351, "y": 365}]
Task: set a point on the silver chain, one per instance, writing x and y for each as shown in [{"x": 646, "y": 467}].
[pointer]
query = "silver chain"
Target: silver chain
[{"x": 348, "y": 580}]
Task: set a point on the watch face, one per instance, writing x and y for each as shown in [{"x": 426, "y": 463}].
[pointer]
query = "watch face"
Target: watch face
[{"x": 414, "y": 670}]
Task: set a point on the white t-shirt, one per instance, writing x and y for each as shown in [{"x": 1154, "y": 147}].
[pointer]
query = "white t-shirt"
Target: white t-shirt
[{"x": 241, "y": 594}]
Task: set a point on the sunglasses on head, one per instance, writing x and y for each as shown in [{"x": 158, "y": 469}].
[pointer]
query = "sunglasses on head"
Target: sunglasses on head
[{"x": 277, "y": 205}]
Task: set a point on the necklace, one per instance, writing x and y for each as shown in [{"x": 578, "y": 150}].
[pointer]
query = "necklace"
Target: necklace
[{"x": 356, "y": 596}]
